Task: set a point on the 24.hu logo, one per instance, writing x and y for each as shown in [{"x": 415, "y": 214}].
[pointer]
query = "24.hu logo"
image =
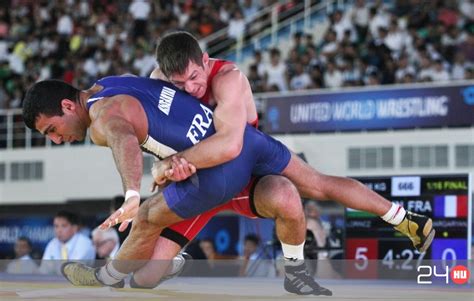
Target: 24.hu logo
[{"x": 459, "y": 274}]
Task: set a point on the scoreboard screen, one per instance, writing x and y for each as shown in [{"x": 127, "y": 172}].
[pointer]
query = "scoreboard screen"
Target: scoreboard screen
[{"x": 444, "y": 198}]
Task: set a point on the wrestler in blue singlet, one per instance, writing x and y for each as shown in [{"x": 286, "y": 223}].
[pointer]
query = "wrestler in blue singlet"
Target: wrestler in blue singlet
[{"x": 177, "y": 121}]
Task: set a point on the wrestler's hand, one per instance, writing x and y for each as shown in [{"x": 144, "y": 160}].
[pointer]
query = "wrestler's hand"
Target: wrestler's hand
[
  {"x": 159, "y": 169},
  {"x": 178, "y": 170},
  {"x": 123, "y": 215}
]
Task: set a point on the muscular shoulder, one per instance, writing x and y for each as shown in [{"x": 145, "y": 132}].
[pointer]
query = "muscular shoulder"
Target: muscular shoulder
[
  {"x": 122, "y": 105},
  {"x": 229, "y": 79},
  {"x": 118, "y": 107}
]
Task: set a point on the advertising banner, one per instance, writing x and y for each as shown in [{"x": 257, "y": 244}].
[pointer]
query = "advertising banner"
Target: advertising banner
[{"x": 377, "y": 109}]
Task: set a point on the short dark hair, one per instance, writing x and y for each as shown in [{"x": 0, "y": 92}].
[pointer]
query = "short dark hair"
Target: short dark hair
[
  {"x": 25, "y": 239},
  {"x": 72, "y": 218},
  {"x": 253, "y": 238},
  {"x": 175, "y": 50},
  {"x": 45, "y": 97}
]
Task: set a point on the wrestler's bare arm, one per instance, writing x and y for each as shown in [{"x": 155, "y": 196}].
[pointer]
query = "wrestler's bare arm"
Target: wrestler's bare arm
[
  {"x": 230, "y": 119},
  {"x": 113, "y": 126}
]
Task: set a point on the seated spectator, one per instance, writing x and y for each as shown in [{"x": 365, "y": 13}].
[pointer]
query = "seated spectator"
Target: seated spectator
[
  {"x": 106, "y": 243},
  {"x": 67, "y": 244},
  {"x": 403, "y": 68},
  {"x": 329, "y": 46},
  {"x": 257, "y": 83},
  {"x": 275, "y": 72},
  {"x": 236, "y": 25},
  {"x": 23, "y": 263},
  {"x": 313, "y": 224},
  {"x": 257, "y": 261},
  {"x": 467, "y": 47},
  {"x": 439, "y": 72},
  {"x": 207, "y": 247},
  {"x": 333, "y": 77},
  {"x": 360, "y": 18},
  {"x": 301, "y": 79}
]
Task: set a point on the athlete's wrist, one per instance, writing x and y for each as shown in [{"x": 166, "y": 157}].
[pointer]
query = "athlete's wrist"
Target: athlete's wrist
[{"x": 131, "y": 193}]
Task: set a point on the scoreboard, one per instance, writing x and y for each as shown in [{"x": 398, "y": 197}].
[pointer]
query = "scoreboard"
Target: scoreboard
[{"x": 444, "y": 198}]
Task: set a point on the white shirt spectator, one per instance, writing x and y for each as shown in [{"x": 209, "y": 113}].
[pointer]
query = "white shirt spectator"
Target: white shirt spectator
[
  {"x": 458, "y": 72},
  {"x": 79, "y": 247},
  {"x": 276, "y": 76},
  {"x": 44, "y": 13},
  {"x": 426, "y": 73},
  {"x": 144, "y": 64},
  {"x": 249, "y": 9},
  {"x": 22, "y": 265},
  {"x": 333, "y": 78},
  {"x": 401, "y": 72},
  {"x": 139, "y": 9},
  {"x": 360, "y": 14},
  {"x": 467, "y": 9},
  {"x": 65, "y": 25},
  {"x": 439, "y": 73},
  {"x": 442, "y": 76},
  {"x": 48, "y": 46},
  {"x": 395, "y": 40},
  {"x": 236, "y": 26},
  {"x": 379, "y": 20},
  {"x": 343, "y": 25},
  {"x": 351, "y": 75},
  {"x": 44, "y": 73},
  {"x": 90, "y": 67},
  {"x": 3, "y": 51},
  {"x": 458, "y": 69},
  {"x": 300, "y": 81},
  {"x": 84, "y": 8},
  {"x": 16, "y": 64}
]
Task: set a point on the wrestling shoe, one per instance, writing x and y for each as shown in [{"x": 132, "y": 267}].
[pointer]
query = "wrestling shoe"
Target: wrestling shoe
[
  {"x": 419, "y": 229},
  {"x": 181, "y": 262},
  {"x": 298, "y": 281},
  {"x": 81, "y": 275}
]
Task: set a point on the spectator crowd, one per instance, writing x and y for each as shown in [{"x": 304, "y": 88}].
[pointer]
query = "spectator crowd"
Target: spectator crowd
[
  {"x": 81, "y": 40},
  {"x": 367, "y": 44},
  {"x": 374, "y": 44}
]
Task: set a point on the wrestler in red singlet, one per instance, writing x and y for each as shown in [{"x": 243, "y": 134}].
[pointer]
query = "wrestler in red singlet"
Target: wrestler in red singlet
[{"x": 243, "y": 204}]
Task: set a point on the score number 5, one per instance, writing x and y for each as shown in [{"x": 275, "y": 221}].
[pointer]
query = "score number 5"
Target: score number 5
[{"x": 362, "y": 261}]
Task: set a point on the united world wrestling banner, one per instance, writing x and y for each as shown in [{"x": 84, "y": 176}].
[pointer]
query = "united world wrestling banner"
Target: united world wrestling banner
[{"x": 374, "y": 109}]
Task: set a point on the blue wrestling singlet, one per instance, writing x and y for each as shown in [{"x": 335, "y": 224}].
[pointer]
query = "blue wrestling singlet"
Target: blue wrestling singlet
[{"x": 177, "y": 121}]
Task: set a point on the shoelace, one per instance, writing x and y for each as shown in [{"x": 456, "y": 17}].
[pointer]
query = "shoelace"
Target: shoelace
[
  {"x": 84, "y": 276},
  {"x": 302, "y": 277}
]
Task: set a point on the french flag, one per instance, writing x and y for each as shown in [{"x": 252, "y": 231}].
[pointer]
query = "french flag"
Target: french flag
[{"x": 450, "y": 206}]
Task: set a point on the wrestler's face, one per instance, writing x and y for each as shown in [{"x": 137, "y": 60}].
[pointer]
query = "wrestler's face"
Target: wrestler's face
[
  {"x": 65, "y": 128},
  {"x": 194, "y": 79}
]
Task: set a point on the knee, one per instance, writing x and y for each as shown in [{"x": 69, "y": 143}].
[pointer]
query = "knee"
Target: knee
[
  {"x": 141, "y": 221},
  {"x": 278, "y": 197}
]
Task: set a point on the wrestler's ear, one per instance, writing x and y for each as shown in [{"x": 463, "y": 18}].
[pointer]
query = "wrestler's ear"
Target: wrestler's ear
[
  {"x": 205, "y": 58},
  {"x": 68, "y": 105}
]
